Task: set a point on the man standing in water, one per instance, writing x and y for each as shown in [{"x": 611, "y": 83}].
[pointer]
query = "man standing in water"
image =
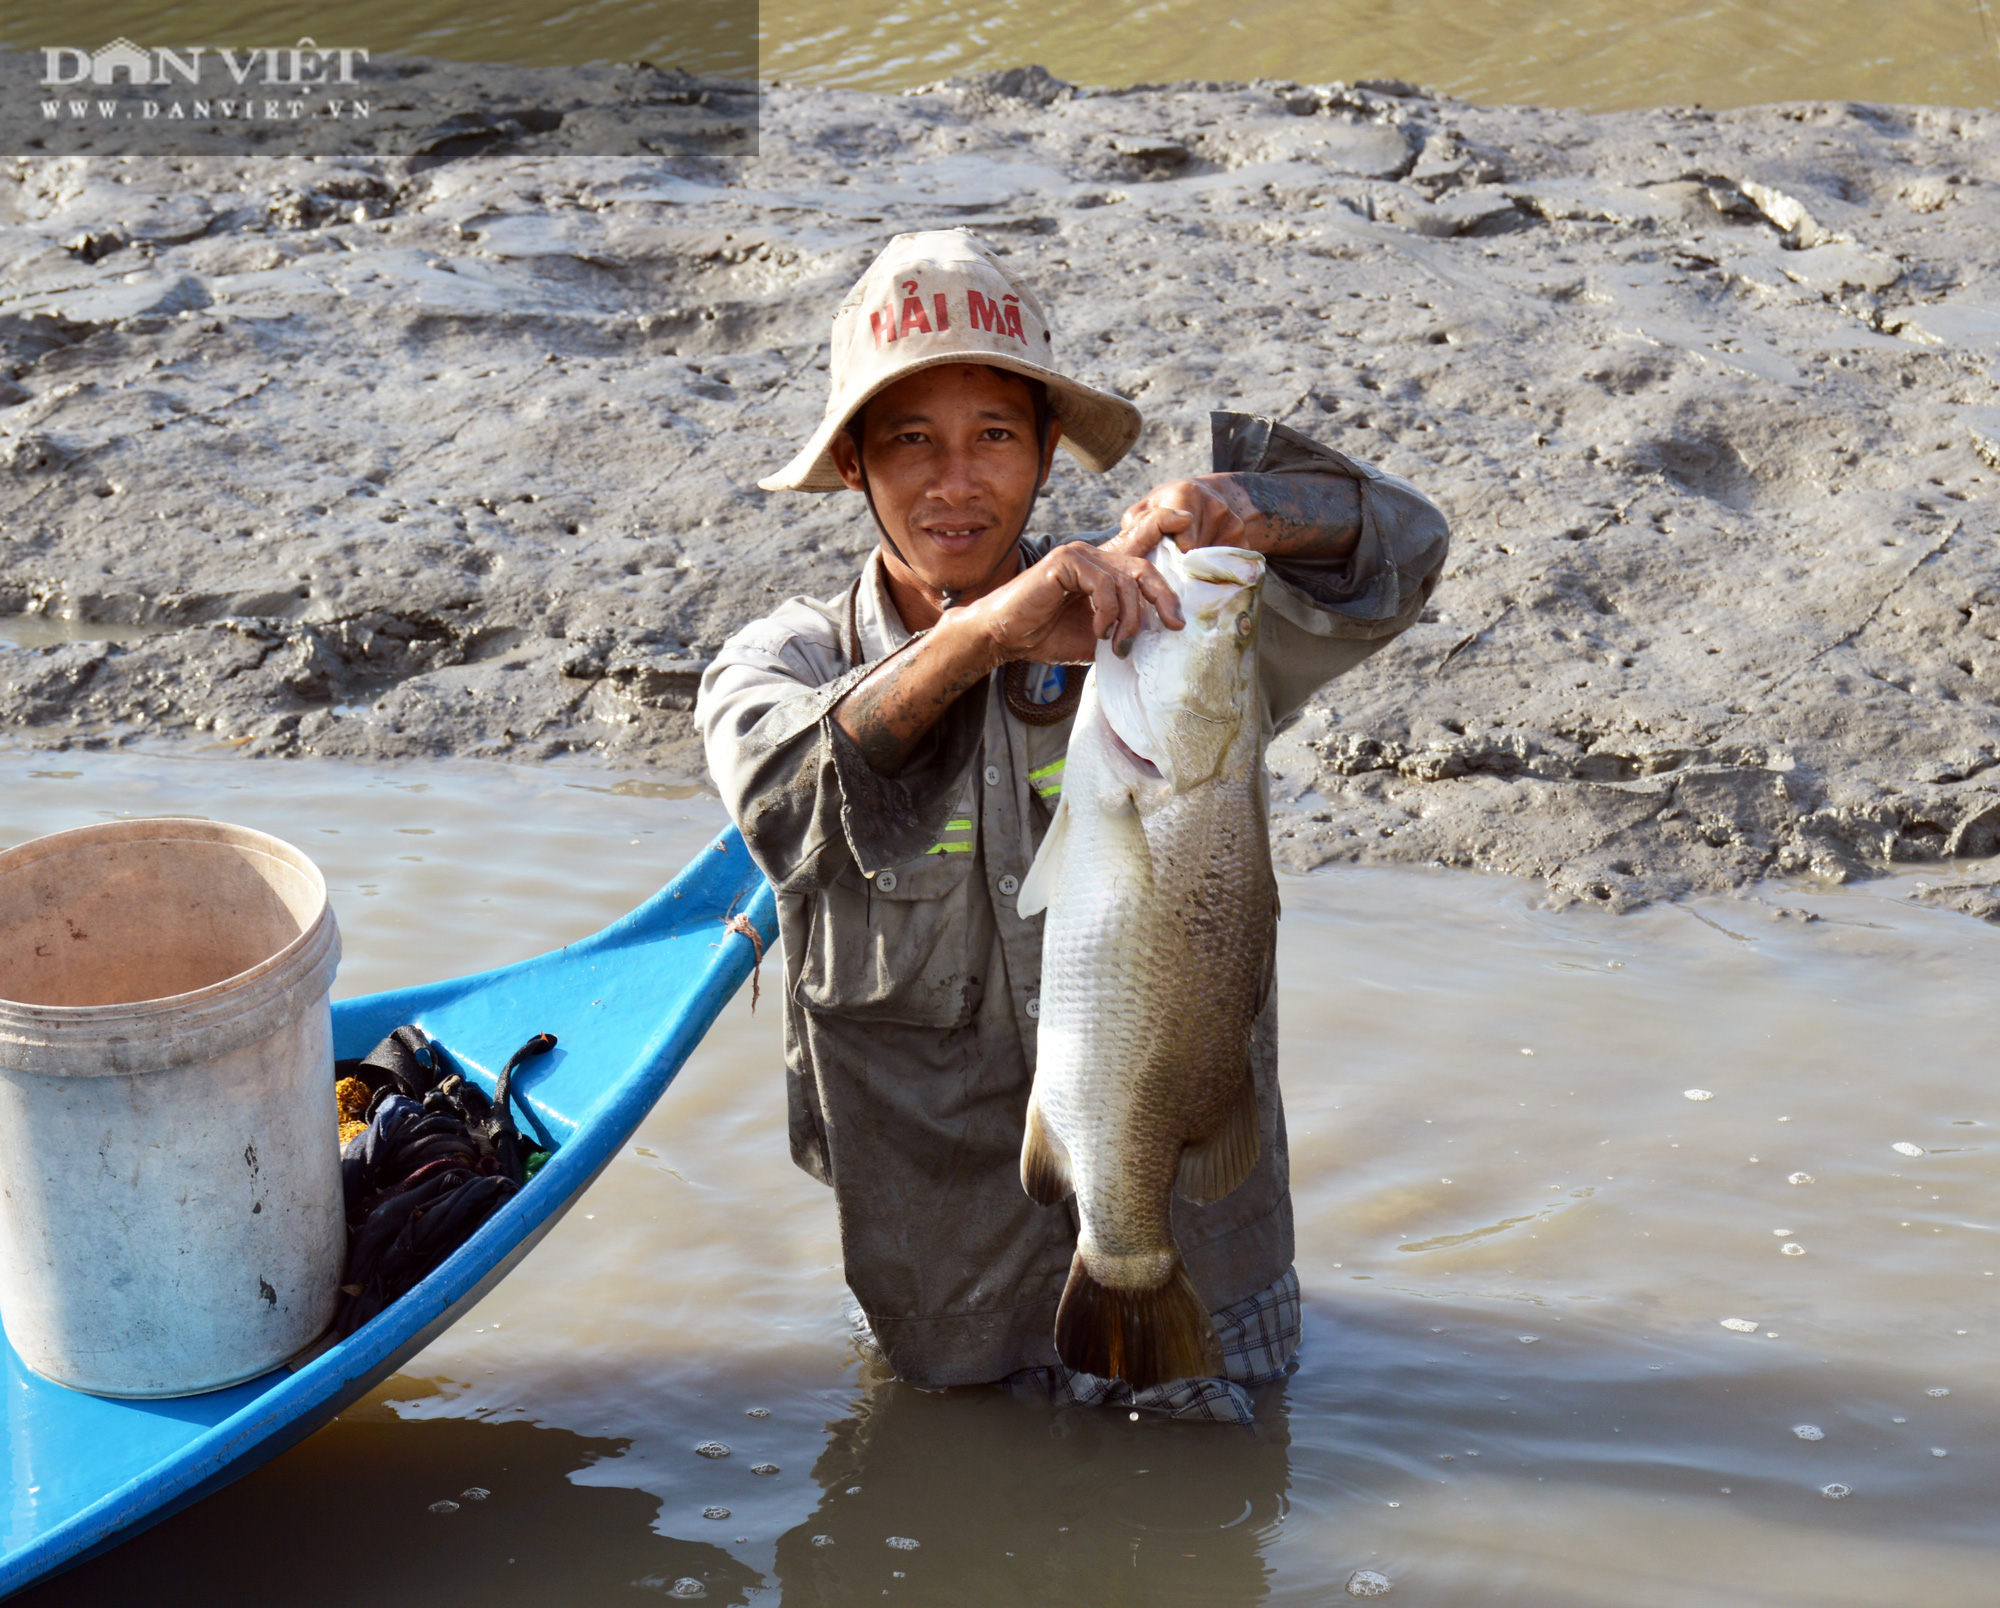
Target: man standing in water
[{"x": 894, "y": 754}]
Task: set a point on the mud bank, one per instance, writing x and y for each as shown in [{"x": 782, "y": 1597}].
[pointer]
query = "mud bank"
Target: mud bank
[{"x": 457, "y": 456}]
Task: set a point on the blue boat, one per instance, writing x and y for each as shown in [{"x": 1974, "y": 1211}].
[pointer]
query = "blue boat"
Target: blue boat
[{"x": 627, "y": 1005}]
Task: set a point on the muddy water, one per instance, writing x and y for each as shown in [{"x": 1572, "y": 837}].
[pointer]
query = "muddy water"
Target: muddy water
[
  {"x": 1597, "y": 54},
  {"x": 1519, "y": 1238},
  {"x": 1601, "y": 55},
  {"x": 52, "y": 630}
]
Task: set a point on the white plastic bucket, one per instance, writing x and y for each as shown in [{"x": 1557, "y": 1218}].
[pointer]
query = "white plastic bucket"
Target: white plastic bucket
[{"x": 169, "y": 1151}]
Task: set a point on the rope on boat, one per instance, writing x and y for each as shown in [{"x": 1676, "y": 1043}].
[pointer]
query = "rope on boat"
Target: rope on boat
[{"x": 742, "y": 923}]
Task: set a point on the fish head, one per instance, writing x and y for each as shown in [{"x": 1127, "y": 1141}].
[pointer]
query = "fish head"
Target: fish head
[{"x": 1180, "y": 699}]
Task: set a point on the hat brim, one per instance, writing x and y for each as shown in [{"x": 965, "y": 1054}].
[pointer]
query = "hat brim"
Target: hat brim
[{"x": 1098, "y": 427}]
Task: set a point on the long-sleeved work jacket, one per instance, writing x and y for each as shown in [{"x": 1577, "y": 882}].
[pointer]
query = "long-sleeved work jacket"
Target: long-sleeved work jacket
[{"x": 911, "y": 985}]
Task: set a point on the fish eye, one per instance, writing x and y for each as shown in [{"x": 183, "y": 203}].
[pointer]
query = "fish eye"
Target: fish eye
[{"x": 1243, "y": 623}]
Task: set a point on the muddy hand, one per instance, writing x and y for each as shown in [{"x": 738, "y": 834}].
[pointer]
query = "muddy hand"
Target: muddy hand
[
  {"x": 1060, "y": 609},
  {"x": 1210, "y": 512}
]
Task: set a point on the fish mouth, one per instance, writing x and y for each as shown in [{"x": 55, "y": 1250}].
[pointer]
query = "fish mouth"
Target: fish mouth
[{"x": 1233, "y": 567}]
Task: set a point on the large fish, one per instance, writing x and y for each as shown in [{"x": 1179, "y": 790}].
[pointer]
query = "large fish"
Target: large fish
[{"x": 1156, "y": 875}]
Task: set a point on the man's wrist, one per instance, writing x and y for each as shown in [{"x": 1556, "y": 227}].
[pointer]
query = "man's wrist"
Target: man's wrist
[
  {"x": 1308, "y": 516},
  {"x": 1233, "y": 487},
  {"x": 965, "y": 650}
]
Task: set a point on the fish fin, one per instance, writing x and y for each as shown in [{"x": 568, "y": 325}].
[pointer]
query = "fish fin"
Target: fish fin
[
  {"x": 1214, "y": 1167},
  {"x": 1044, "y": 1162},
  {"x": 1122, "y": 842},
  {"x": 1145, "y": 1337},
  {"x": 1039, "y": 885}
]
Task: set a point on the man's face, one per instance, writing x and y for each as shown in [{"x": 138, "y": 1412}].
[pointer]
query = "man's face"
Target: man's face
[{"x": 953, "y": 464}]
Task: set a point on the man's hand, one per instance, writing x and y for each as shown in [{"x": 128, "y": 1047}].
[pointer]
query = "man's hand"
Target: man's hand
[
  {"x": 1055, "y": 613},
  {"x": 1059, "y": 610},
  {"x": 1316, "y": 517},
  {"x": 1214, "y": 511}
]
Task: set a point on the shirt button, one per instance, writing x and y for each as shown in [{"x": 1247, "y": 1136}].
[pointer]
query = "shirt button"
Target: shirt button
[
  {"x": 992, "y": 775},
  {"x": 886, "y": 881},
  {"x": 1034, "y": 1007},
  {"x": 1009, "y": 886}
]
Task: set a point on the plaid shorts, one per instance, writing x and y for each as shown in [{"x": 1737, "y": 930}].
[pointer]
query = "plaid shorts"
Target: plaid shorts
[{"x": 1259, "y": 1334}]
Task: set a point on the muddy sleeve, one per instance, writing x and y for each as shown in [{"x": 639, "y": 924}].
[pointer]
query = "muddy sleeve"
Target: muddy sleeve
[
  {"x": 807, "y": 802},
  {"x": 1322, "y": 618}
]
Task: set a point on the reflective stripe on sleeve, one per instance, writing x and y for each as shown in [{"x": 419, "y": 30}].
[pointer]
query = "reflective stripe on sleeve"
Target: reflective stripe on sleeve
[{"x": 1047, "y": 779}]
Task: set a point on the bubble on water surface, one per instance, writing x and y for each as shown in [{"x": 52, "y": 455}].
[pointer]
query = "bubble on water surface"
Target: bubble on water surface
[
  {"x": 1367, "y": 1583},
  {"x": 1939, "y": 1451},
  {"x": 854, "y": 1490},
  {"x": 1904, "y": 1148},
  {"x": 1836, "y": 1491},
  {"x": 1740, "y": 1325},
  {"x": 1793, "y": 1249},
  {"x": 1808, "y": 1432},
  {"x": 903, "y": 1543},
  {"x": 1782, "y": 1233},
  {"x": 711, "y": 1449},
  {"x": 1698, "y": 1094},
  {"x": 444, "y": 1507},
  {"x": 715, "y": 1513},
  {"x": 1938, "y": 1390},
  {"x": 1899, "y": 1420},
  {"x": 822, "y": 1541},
  {"x": 687, "y": 1586},
  {"x": 1800, "y": 1178},
  {"x": 763, "y": 1468},
  {"x": 757, "y": 1412},
  {"x": 475, "y": 1493},
  {"x": 1527, "y": 1339}
]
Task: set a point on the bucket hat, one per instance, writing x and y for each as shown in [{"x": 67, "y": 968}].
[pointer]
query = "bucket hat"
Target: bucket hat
[{"x": 941, "y": 297}]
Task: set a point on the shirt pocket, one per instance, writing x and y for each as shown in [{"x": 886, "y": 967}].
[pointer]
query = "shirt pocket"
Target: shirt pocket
[{"x": 897, "y": 947}]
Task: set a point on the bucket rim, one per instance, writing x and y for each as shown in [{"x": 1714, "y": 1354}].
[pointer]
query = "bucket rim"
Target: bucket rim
[{"x": 25, "y": 1024}]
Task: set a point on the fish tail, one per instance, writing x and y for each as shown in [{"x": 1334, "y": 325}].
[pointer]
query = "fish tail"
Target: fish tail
[{"x": 1145, "y": 1337}]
